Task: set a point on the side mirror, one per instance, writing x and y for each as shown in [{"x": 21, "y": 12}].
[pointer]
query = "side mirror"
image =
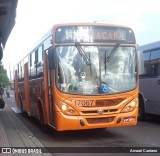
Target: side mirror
[
  {"x": 52, "y": 59},
  {"x": 141, "y": 62}
]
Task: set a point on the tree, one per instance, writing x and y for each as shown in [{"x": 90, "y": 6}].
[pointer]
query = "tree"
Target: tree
[{"x": 4, "y": 80}]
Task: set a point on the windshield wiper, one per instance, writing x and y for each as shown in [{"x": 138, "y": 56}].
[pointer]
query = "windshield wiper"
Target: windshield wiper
[
  {"x": 82, "y": 53},
  {"x": 112, "y": 52}
]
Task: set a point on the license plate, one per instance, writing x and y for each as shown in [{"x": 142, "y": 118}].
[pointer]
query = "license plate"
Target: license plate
[{"x": 83, "y": 103}]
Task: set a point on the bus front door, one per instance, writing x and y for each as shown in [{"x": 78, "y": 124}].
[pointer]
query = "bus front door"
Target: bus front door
[{"x": 49, "y": 79}]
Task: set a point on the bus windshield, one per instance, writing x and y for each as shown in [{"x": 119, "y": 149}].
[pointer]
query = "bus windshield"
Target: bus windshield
[{"x": 108, "y": 69}]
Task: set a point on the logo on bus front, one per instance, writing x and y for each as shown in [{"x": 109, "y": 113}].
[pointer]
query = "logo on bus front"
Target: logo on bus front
[{"x": 100, "y": 111}]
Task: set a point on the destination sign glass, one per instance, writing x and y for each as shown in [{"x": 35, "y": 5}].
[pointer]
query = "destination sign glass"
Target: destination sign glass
[{"x": 94, "y": 34}]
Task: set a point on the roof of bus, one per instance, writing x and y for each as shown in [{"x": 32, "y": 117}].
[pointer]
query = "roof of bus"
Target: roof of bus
[{"x": 150, "y": 46}]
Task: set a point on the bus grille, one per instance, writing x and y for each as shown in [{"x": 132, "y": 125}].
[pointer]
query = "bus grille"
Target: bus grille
[
  {"x": 108, "y": 102},
  {"x": 91, "y": 112},
  {"x": 99, "y": 120}
]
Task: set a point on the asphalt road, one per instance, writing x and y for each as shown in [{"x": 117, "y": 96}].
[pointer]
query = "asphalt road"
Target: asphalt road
[{"x": 145, "y": 134}]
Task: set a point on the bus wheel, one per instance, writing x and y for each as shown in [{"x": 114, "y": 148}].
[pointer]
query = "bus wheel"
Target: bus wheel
[
  {"x": 141, "y": 111},
  {"x": 42, "y": 124}
]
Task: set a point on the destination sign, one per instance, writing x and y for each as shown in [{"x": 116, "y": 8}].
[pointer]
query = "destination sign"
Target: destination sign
[{"x": 94, "y": 34}]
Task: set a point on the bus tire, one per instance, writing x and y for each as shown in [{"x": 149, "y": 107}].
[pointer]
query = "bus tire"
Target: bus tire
[
  {"x": 141, "y": 110},
  {"x": 42, "y": 124}
]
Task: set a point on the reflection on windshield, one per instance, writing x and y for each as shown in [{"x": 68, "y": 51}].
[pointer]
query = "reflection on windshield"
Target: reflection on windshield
[{"x": 75, "y": 76}]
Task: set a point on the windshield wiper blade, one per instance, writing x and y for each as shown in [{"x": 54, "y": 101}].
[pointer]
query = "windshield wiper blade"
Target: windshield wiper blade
[
  {"x": 82, "y": 53},
  {"x": 113, "y": 51}
]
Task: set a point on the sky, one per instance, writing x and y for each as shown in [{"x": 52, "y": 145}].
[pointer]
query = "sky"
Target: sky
[{"x": 35, "y": 17}]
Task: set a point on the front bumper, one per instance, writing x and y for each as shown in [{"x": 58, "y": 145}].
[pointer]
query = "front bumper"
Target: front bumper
[{"x": 65, "y": 122}]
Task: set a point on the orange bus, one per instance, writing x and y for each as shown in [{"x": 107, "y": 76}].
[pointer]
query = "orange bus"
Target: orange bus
[{"x": 80, "y": 76}]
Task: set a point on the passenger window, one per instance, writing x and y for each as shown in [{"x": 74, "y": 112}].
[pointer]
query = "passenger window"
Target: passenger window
[
  {"x": 40, "y": 54},
  {"x": 32, "y": 65},
  {"x": 146, "y": 64},
  {"x": 16, "y": 69},
  {"x": 40, "y": 62},
  {"x": 155, "y": 62},
  {"x": 22, "y": 70},
  {"x": 19, "y": 74}
]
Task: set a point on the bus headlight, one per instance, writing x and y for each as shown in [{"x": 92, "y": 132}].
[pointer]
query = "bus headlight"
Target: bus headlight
[
  {"x": 66, "y": 109},
  {"x": 130, "y": 107}
]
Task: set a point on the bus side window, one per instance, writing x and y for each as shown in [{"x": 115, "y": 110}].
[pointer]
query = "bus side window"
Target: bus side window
[
  {"x": 17, "y": 68},
  {"x": 22, "y": 70},
  {"x": 40, "y": 62},
  {"x": 146, "y": 64},
  {"x": 32, "y": 66},
  {"x": 154, "y": 61},
  {"x": 26, "y": 59},
  {"x": 29, "y": 65},
  {"x": 18, "y": 71}
]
